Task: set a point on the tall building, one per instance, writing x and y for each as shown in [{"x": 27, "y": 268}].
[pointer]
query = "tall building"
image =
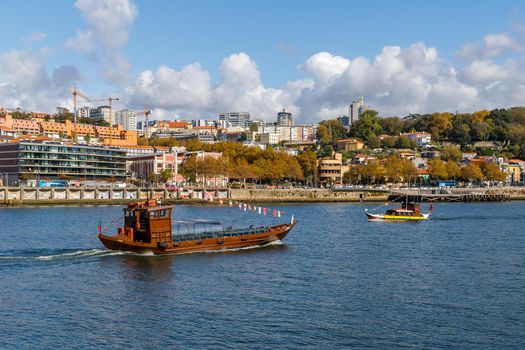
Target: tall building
[
  {"x": 356, "y": 109},
  {"x": 102, "y": 113},
  {"x": 126, "y": 118},
  {"x": 284, "y": 118},
  {"x": 235, "y": 119}
]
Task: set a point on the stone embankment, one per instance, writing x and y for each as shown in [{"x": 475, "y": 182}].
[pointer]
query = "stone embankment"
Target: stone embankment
[
  {"x": 51, "y": 196},
  {"x": 305, "y": 195}
]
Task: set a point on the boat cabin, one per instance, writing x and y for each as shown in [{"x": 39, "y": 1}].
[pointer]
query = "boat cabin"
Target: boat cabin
[
  {"x": 147, "y": 223},
  {"x": 407, "y": 209}
]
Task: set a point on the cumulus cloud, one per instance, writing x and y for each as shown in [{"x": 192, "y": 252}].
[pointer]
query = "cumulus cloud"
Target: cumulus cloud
[
  {"x": 25, "y": 83},
  {"x": 107, "y": 28},
  {"x": 397, "y": 81},
  {"x": 190, "y": 92},
  {"x": 491, "y": 46}
]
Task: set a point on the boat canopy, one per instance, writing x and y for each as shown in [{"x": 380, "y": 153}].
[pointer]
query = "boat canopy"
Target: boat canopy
[{"x": 196, "y": 221}]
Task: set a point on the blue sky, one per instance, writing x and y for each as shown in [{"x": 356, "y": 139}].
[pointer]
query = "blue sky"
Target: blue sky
[{"x": 278, "y": 38}]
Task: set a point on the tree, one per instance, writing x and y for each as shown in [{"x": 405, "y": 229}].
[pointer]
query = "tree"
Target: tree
[
  {"x": 471, "y": 173},
  {"x": 453, "y": 170},
  {"x": 437, "y": 169},
  {"x": 460, "y": 131},
  {"x": 481, "y": 130},
  {"x": 188, "y": 168},
  {"x": 308, "y": 162},
  {"x": 372, "y": 172},
  {"x": 404, "y": 142},
  {"x": 439, "y": 125},
  {"x": 368, "y": 125},
  {"x": 451, "y": 153},
  {"x": 392, "y": 125},
  {"x": 491, "y": 172},
  {"x": 373, "y": 142},
  {"x": 166, "y": 175}
]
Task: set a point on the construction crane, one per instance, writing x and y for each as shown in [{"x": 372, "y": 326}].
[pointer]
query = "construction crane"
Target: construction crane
[
  {"x": 110, "y": 102},
  {"x": 146, "y": 112},
  {"x": 76, "y": 93}
]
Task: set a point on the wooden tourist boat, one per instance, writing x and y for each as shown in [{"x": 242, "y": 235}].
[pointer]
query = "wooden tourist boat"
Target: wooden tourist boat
[
  {"x": 408, "y": 212},
  {"x": 148, "y": 229}
]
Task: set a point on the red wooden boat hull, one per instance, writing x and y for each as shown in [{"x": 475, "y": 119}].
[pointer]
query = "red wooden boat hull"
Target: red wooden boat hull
[{"x": 124, "y": 243}]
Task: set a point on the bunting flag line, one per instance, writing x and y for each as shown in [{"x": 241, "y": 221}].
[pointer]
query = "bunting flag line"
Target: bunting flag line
[
  {"x": 278, "y": 213},
  {"x": 274, "y": 213},
  {"x": 259, "y": 210},
  {"x": 231, "y": 204},
  {"x": 245, "y": 206},
  {"x": 264, "y": 211}
]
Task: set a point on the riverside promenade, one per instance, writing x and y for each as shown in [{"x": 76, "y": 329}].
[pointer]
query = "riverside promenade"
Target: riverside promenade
[{"x": 13, "y": 196}]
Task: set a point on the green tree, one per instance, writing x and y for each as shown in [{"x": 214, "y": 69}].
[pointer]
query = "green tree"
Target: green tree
[
  {"x": 165, "y": 175},
  {"x": 368, "y": 125},
  {"x": 392, "y": 125}
]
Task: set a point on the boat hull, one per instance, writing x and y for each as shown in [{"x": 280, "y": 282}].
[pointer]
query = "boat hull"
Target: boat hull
[
  {"x": 123, "y": 243},
  {"x": 379, "y": 217}
]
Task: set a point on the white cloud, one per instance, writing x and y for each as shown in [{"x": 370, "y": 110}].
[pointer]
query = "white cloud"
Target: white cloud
[
  {"x": 107, "y": 26},
  {"x": 82, "y": 42},
  {"x": 397, "y": 81},
  {"x": 25, "y": 83},
  {"x": 189, "y": 92},
  {"x": 492, "y": 46}
]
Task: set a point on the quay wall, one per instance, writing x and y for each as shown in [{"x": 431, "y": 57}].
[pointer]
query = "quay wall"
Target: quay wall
[
  {"x": 305, "y": 195},
  {"x": 72, "y": 195}
]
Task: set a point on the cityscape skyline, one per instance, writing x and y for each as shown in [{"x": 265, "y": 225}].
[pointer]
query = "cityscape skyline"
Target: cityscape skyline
[{"x": 209, "y": 69}]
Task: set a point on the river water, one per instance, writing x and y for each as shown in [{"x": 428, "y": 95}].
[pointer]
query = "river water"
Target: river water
[{"x": 337, "y": 281}]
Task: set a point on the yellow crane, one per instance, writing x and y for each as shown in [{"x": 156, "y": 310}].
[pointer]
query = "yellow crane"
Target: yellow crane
[
  {"x": 76, "y": 93},
  {"x": 110, "y": 103},
  {"x": 146, "y": 112}
]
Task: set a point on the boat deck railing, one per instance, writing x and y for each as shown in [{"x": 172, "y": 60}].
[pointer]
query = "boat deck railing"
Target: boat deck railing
[{"x": 229, "y": 232}]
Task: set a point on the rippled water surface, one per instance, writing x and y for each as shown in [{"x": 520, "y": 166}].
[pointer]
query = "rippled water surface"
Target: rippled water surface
[{"x": 337, "y": 281}]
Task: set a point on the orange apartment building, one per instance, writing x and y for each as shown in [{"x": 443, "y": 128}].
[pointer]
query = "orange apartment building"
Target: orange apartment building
[{"x": 115, "y": 136}]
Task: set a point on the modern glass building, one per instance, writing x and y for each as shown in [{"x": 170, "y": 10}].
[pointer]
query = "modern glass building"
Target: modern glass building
[{"x": 27, "y": 160}]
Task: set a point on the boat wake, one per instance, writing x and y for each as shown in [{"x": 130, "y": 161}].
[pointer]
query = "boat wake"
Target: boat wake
[{"x": 53, "y": 255}]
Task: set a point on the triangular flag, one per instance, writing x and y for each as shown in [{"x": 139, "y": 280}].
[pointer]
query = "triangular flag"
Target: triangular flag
[
  {"x": 259, "y": 210},
  {"x": 264, "y": 211},
  {"x": 231, "y": 204},
  {"x": 279, "y": 213},
  {"x": 274, "y": 213}
]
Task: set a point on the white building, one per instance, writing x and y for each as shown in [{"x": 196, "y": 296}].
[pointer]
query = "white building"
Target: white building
[
  {"x": 126, "y": 118},
  {"x": 422, "y": 138},
  {"x": 356, "y": 109},
  {"x": 234, "y": 119},
  {"x": 102, "y": 113}
]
